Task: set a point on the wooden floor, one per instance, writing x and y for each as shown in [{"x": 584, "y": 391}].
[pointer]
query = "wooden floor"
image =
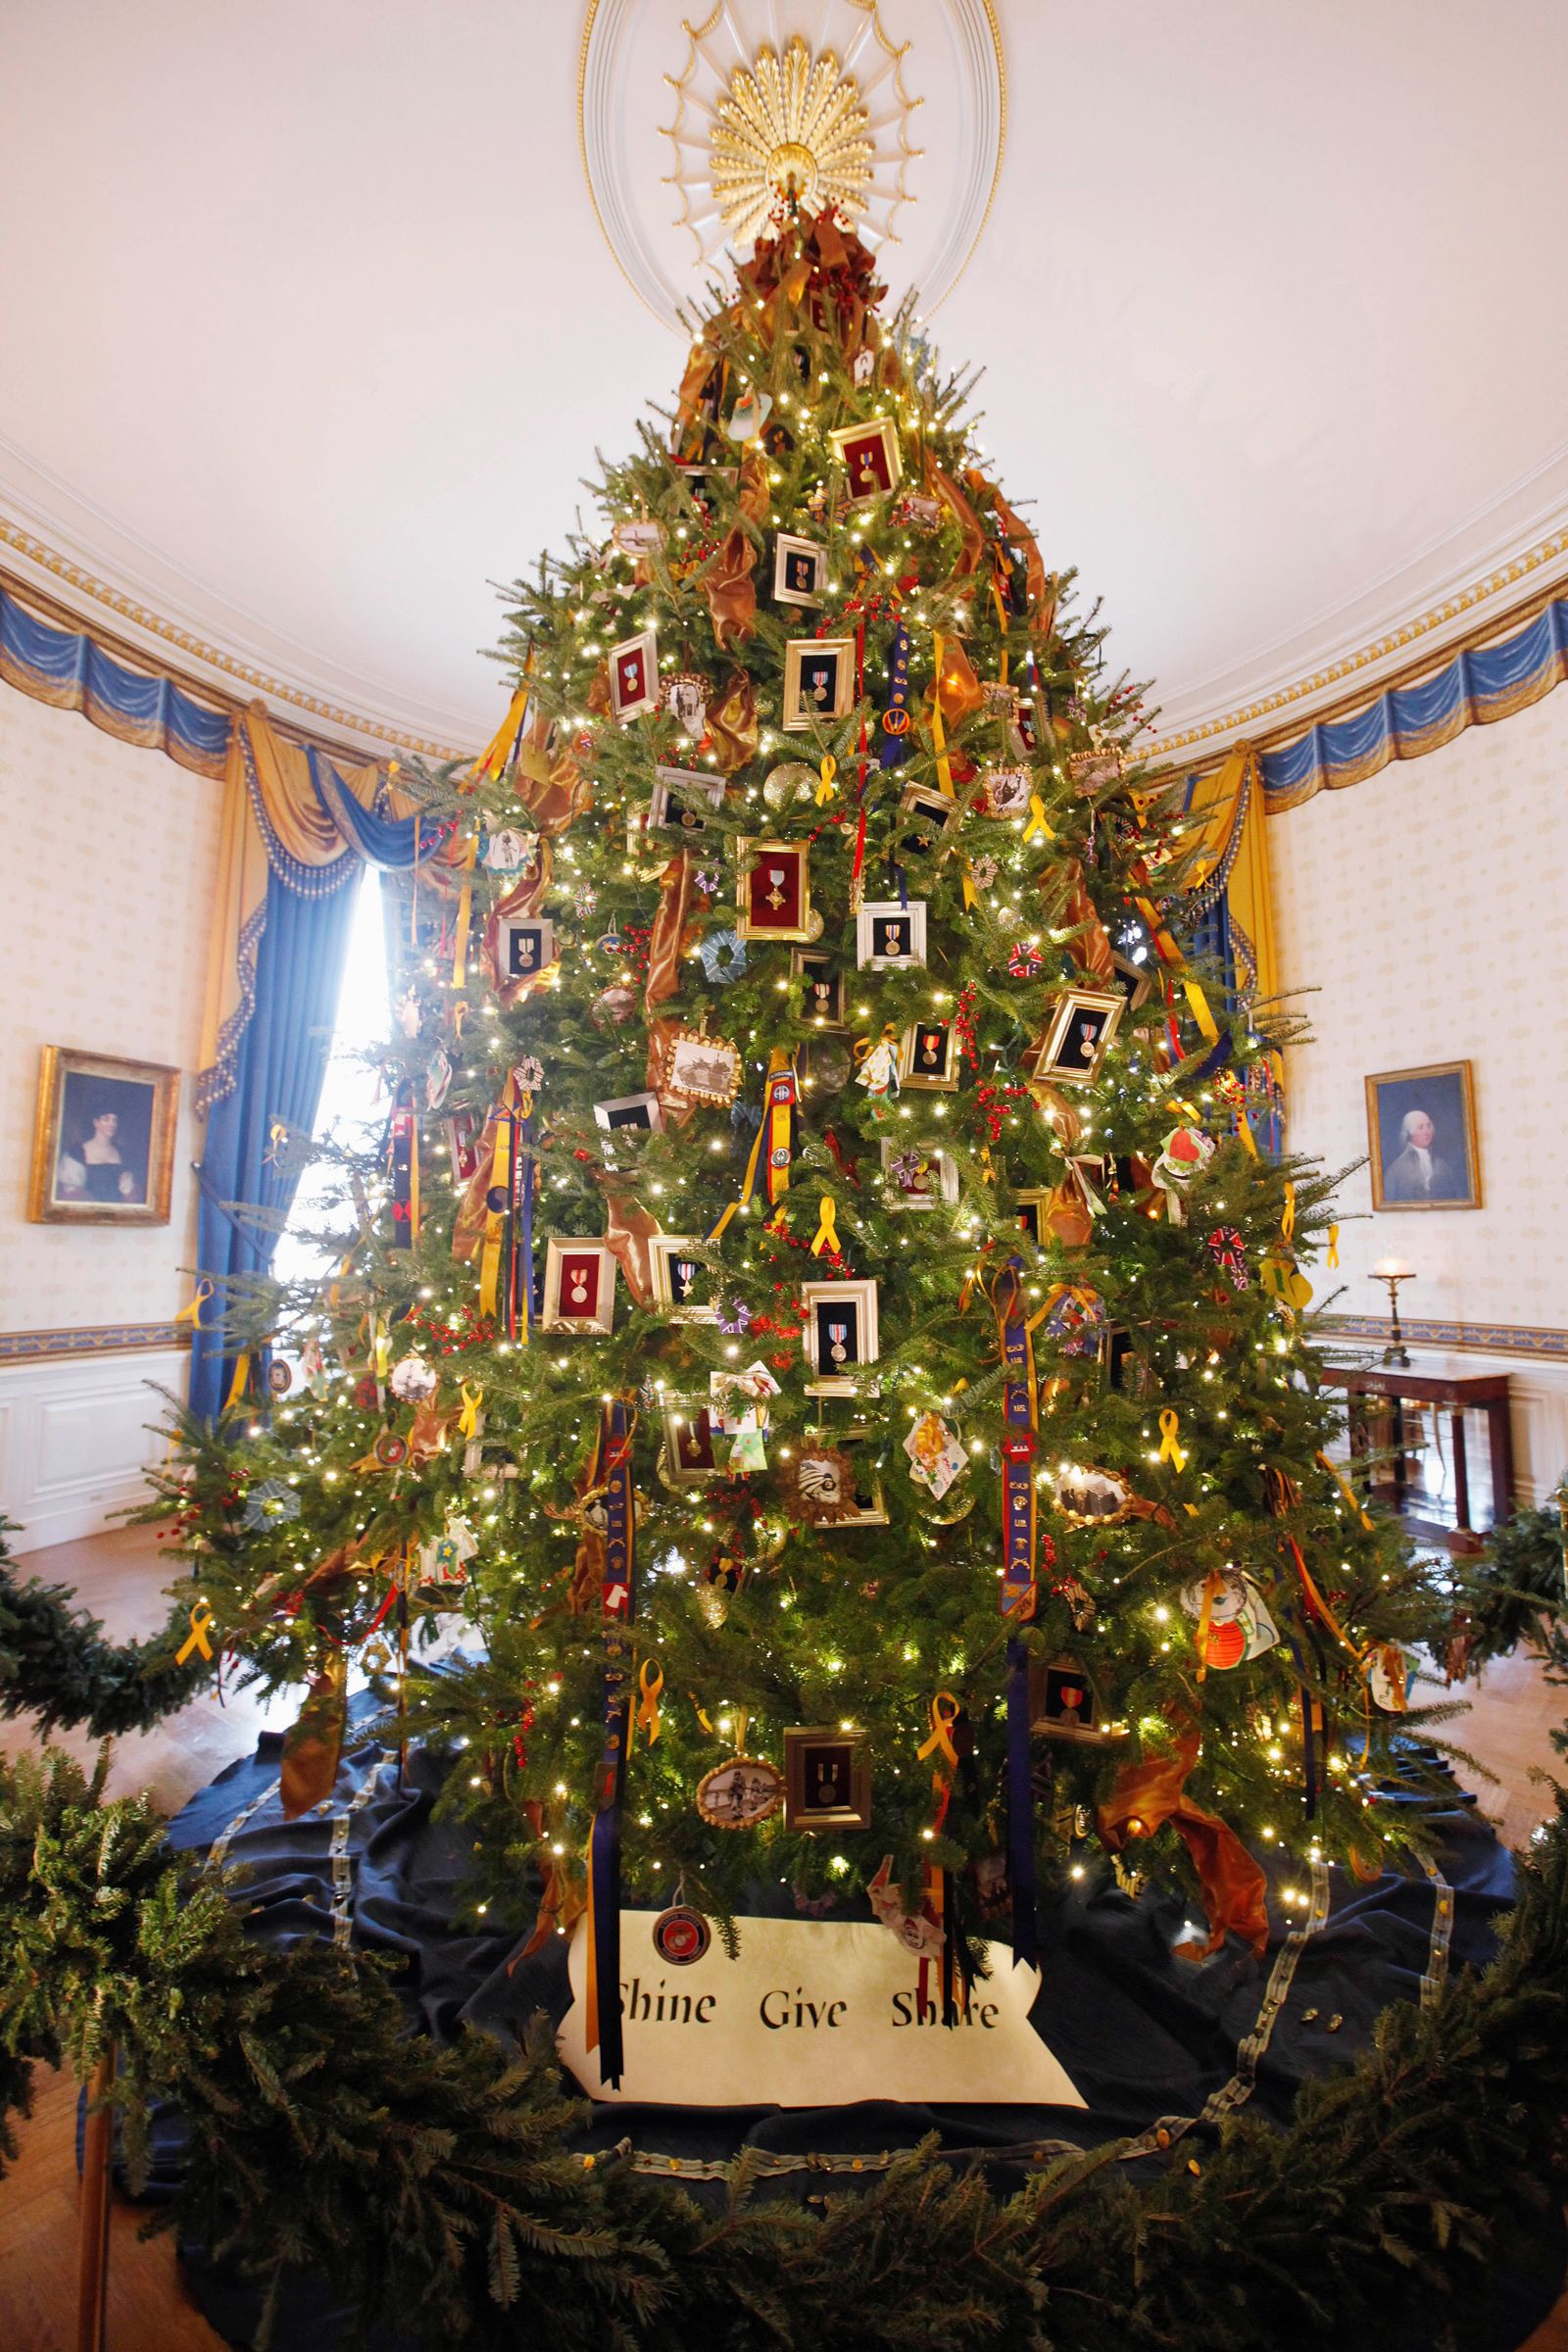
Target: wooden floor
[{"x": 120, "y": 1577}]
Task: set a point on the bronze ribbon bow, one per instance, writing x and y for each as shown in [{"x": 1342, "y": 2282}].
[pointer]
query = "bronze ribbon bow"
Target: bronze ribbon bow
[{"x": 1146, "y": 1797}]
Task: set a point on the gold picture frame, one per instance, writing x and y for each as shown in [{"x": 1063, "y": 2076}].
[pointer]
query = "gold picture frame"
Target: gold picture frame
[
  {"x": 854, "y": 1305},
  {"x": 1405, "y": 1173},
  {"x": 599, "y": 1306},
  {"x": 827, "y": 1779},
  {"x": 869, "y": 453},
  {"x": 103, "y": 1140},
  {"x": 691, "y": 1458},
  {"x": 787, "y": 866},
  {"x": 928, "y": 1058},
  {"x": 810, "y": 662},
  {"x": 1078, "y": 1062},
  {"x": 668, "y": 1255}
]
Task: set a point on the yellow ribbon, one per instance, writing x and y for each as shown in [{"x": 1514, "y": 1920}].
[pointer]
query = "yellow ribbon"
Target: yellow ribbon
[
  {"x": 939, "y": 740},
  {"x": 1170, "y": 1449},
  {"x": 380, "y": 1347},
  {"x": 944, "y": 1715},
  {"x": 460, "y": 948},
  {"x": 1347, "y": 1490},
  {"x": 201, "y": 1618},
  {"x": 1213, "y": 1583},
  {"x": 469, "y": 1418},
  {"x": 650, "y": 1682},
  {"x": 987, "y": 1174},
  {"x": 1287, "y": 1214},
  {"x": 192, "y": 1314},
  {"x": 491, "y": 765},
  {"x": 826, "y": 1236},
  {"x": 1333, "y": 1257},
  {"x": 1197, "y": 1004},
  {"x": 971, "y": 897},
  {"x": 1037, "y": 819},
  {"x": 460, "y": 1013},
  {"x": 1002, "y": 620},
  {"x": 826, "y": 789},
  {"x": 494, "y": 1218},
  {"x": 702, "y": 1715},
  {"x": 242, "y": 1373}
]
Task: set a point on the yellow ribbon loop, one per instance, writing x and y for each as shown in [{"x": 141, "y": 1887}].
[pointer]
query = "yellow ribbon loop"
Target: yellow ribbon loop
[
  {"x": 988, "y": 1173},
  {"x": 1037, "y": 819},
  {"x": 827, "y": 788},
  {"x": 702, "y": 1715},
  {"x": 469, "y": 1418},
  {"x": 200, "y": 1619},
  {"x": 1170, "y": 1449},
  {"x": 1333, "y": 1257},
  {"x": 460, "y": 1013},
  {"x": 826, "y": 1236},
  {"x": 192, "y": 1314},
  {"x": 241, "y": 1380},
  {"x": 1347, "y": 1490},
  {"x": 650, "y": 1682},
  {"x": 1288, "y": 1214},
  {"x": 944, "y": 1715},
  {"x": 943, "y": 1718},
  {"x": 971, "y": 897}
]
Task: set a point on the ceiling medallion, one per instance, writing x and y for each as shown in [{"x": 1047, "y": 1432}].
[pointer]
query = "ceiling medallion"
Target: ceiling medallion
[
  {"x": 791, "y": 128},
  {"x": 819, "y": 109}
]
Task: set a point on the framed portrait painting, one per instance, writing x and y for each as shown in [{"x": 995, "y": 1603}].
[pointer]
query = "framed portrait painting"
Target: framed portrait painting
[
  {"x": 103, "y": 1140},
  {"x": 1421, "y": 1136}
]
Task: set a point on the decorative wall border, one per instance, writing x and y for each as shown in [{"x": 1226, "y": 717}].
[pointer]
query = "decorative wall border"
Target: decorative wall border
[
  {"x": 1483, "y": 1339},
  {"x": 96, "y": 1339}
]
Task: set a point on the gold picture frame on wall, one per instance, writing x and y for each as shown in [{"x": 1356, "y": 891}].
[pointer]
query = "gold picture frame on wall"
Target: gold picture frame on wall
[
  {"x": 103, "y": 1140},
  {"x": 1421, "y": 1138}
]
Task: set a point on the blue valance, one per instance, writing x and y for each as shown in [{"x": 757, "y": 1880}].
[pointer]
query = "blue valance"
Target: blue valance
[
  {"x": 71, "y": 670},
  {"x": 1473, "y": 688}
]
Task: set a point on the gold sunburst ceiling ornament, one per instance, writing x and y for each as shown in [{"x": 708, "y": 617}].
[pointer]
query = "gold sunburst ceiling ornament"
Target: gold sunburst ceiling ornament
[{"x": 794, "y": 127}]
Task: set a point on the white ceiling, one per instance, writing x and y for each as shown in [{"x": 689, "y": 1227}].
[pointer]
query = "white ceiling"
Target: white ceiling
[{"x": 308, "y": 328}]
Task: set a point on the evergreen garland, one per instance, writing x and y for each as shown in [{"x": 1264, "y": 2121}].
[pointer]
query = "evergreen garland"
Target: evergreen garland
[
  {"x": 55, "y": 1663},
  {"x": 437, "y": 2186}
]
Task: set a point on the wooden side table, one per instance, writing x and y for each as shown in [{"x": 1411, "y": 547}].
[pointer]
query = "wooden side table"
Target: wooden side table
[{"x": 1481, "y": 1391}]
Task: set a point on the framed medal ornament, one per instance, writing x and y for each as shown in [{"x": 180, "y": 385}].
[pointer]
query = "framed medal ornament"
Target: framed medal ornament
[
  {"x": 828, "y": 1779},
  {"x": 634, "y": 676},
  {"x": 889, "y": 936},
  {"x": 822, "y": 999},
  {"x": 918, "y": 1175},
  {"x": 525, "y": 947},
  {"x": 640, "y": 1113},
  {"x": 680, "y": 797},
  {"x": 818, "y": 681},
  {"x": 928, "y": 1057},
  {"x": 689, "y": 1457},
  {"x": 841, "y": 1335},
  {"x": 869, "y": 1503},
  {"x": 869, "y": 455},
  {"x": 462, "y": 1132},
  {"x": 773, "y": 893},
  {"x": 677, "y": 1275},
  {"x": 580, "y": 1291},
  {"x": 799, "y": 571},
  {"x": 930, "y": 814},
  {"x": 1081, "y": 1029},
  {"x": 1134, "y": 980}
]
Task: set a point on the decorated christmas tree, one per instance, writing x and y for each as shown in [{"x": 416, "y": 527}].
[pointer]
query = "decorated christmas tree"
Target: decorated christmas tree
[{"x": 827, "y": 1324}]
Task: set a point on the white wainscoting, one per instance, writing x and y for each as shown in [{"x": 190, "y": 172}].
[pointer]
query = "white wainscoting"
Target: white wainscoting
[{"x": 75, "y": 1438}]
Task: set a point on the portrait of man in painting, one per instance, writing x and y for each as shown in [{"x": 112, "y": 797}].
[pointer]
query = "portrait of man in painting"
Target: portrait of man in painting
[{"x": 1421, "y": 1130}]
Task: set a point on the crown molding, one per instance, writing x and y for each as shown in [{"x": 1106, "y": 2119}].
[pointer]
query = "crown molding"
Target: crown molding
[
  {"x": 1454, "y": 592},
  {"x": 79, "y": 556}
]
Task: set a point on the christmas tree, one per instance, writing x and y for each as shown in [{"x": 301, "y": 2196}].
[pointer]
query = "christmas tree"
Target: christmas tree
[{"x": 822, "y": 1321}]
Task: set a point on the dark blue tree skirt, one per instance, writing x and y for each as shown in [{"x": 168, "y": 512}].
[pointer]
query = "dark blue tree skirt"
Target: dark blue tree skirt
[{"x": 1154, "y": 2044}]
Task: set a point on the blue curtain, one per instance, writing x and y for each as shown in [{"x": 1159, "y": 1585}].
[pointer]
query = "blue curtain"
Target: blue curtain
[{"x": 278, "y": 1072}]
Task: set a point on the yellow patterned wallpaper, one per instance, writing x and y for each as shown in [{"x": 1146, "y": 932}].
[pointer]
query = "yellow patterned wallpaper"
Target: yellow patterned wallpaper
[
  {"x": 1424, "y": 910},
  {"x": 111, "y": 871}
]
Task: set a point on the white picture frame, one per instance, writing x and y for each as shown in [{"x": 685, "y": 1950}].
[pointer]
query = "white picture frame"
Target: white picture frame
[{"x": 881, "y": 922}]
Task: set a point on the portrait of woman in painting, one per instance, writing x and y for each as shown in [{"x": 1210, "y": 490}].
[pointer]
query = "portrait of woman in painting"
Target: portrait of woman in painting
[{"x": 103, "y": 1142}]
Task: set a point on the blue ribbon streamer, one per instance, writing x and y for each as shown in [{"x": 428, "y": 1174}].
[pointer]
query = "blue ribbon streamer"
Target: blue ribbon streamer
[
  {"x": 1020, "y": 1811},
  {"x": 619, "y": 1598}
]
